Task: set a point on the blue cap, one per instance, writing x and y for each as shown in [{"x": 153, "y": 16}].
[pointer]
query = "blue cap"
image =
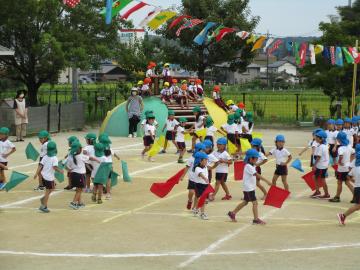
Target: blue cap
[
  {"x": 317, "y": 130},
  {"x": 331, "y": 122},
  {"x": 256, "y": 142},
  {"x": 199, "y": 156},
  {"x": 208, "y": 144},
  {"x": 199, "y": 147},
  {"x": 342, "y": 138},
  {"x": 252, "y": 153},
  {"x": 339, "y": 122},
  {"x": 355, "y": 119},
  {"x": 347, "y": 120},
  {"x": 321, "y": 134},
  {"x": 222, "y": 141},
  {"x": 280, "y": 138}
]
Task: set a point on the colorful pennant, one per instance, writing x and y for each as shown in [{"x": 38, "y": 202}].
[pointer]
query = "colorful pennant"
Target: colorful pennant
[
  {"x": 161, "y": 18},
  {"x": 178, "y": 20},
  {"x": 201, "y": 37},
  {"x": 132, "y": 10},
  {"x": 188, "y": 24}
]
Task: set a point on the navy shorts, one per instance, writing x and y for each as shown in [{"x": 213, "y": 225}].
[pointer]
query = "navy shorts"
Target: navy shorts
[
  {"x": 199, "y": 189},
  {"x": 170, "y": 135},
  {"x": 232, "y": 138},
  {"x": 181, "y": 145},
  {"x": 191, "y": 185},
  {"x": 148, "y": 140},
  {"x": 333, "y": 154},
  {"x": 321, "y": 173},
  {"x": 48, "y": 184},
  {"x": 248, "y": 137},
  {"x": 89, "y": 169},
  {"x": 249, "y": 196},
  {"x": 221, "y": 177},
  {"x": 3, "y": 163},
  {"x": 342, "y": 176},
  {"x": 357, "y": 195},
  {"x": 281, "y": 170},
  {"x": 77, "y": 180}
]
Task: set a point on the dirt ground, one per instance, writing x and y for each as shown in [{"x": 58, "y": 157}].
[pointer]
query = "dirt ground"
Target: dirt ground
[{"x": 136, "y": 230}]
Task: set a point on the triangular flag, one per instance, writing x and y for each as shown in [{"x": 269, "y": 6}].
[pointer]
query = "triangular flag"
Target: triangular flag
[
  {"x": 296, "y": 164},
  {"x": 223, "y": 32},
  {"x": 257, "y": 135},
  {"x": 201, "y": 133},
  {"x": 156, "y": 147},
  {"x": 177, "y": 20},
  {"x": 125, "y": 171},
  {"x": 60, "y": 176},
  {"x": 251, "y": 39},
  {"x": 245, "y": 145},
  {"x": 276, "y": 196},
  {"x": 335, "y": 167},
  {"x": 201, "y": 37},
  {"x": 348, "y": 57},
  {"x": 312, "y": 54},
  {"x": 239, "y": 170},
  {"x": 161, "y": 18},
  {"x": 309, "y": 180},
  {"x": 187, "y": 137},
  {"x": 258, "y": 43},
  {"x": 276, "y": 46},
  {"x": 103, "y": 173},
  {"x": 132, "y": 10},
  {"x": 339, "y": 60},
  {"x": 149, "y": 17},
  {"x": 290, "y": 46},
  {"x": 15, "y": 179},
  {"x": 114, "y": 178},
  {"x": 117, "y": 6},
  {"x": 188, "y": 24},
  {"x": 31, "y": 152},
  {"x": 163, "y": 189},
  {"x": 232, "y": 148},
  {"x": 205, "y": 195}
]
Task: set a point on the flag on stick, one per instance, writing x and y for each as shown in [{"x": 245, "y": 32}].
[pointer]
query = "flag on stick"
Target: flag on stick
[
  {"x": 276, "y": 197},
  {"x": 31, "y": 152},
  {"x": 15, "y": 179},
  {"x": 125, "y": 171},
  {"x": 239, "y": 170},
  {"x": 164, "y": 188},
  {"x": 205, "y": 195}
]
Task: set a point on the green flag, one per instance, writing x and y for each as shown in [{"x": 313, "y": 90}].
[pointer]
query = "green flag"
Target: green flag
[
  {"x": 116, "y": 7},
  {"x": 215, "y": 32},
  {"x": 103, "y": 172},
  {"x": 31, "y": 152},
  {"x": 15, "y": 179},
  {"x": 348, "y": 57},
  {"x": 114, "y": 178},
  {"x": 125, "y": 171},
  {"x": 296, "y": 53},
  {"x": 60, "y": 176}
]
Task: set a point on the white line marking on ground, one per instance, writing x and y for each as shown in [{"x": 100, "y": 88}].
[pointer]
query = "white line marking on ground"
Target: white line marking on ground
[
  {"x": 24, "y": 165},
  {"x": 28, "y": 200}
]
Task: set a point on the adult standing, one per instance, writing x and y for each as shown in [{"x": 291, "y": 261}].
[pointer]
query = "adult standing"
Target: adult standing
[
  {"x": 21, "y": 115},
  {"x": 134, "y": 108}
]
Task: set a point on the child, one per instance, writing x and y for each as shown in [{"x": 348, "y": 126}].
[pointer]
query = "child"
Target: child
[
  {"x": 199, "y": 124},
  {"x": 89, "y": 151},
  {"x": 209, "y": 150},
  {"x": 241, "y": 106},
  {"x": 170, "y": 126},
  {"x": 6, "y": 149},
  {"x": 199, "y": 88},
  {"x": 321, "y": 165},
  {"x": 150, "y": 70},
  {"x": 166, "y": 94},
  {"x": 283, "y": 157},
  {"x": 231, "y": 105},
  {"x": 331, "y": 138},
  {"x": 44, "y": 138},
  {"x": 149, "y": 135},
  {"x": 98, "y": 188},
  {"x": 230, "y": 129},
  {"x": 192, "y": 91},
  {"x": 349, "y": 130},
  {"x": 355, "y": 126},
  {"x": 139, "y": 85},
  {"x": 344, "y": 151},
  {"x": 312, "y": 144},
  {"x": 262, "y": 159},
  {"x": 146, "y": 89},
  {"x": 210, "y": 129},
  {"x": 166, "y": 73},
  {"x": 180, "y": 139},
  {"x": 222, "y": 169},
  {"x": 249, "y": 187},
  {"x": 247, "y": 126},
  {"x": 201, "y": 179},
  {"x": 182, "y": 96},
  {"x": 143, "y": 122},
  {"x": 48, "y": 166},
  {"x": 71, "y": 140},
  {"x": 355, "y": 173},
  {"x": 174, "y": 88},
  {"x": 217, "y": 98}
]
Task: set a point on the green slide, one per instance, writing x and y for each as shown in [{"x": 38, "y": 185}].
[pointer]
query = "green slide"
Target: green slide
[{"x": 116, "y": 122}]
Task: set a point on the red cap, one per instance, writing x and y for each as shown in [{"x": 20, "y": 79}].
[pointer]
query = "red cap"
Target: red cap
[
  {"x": 147, "y": 80},
  {"x": 198, "y": 81},
  {"x": 241, "y": 105},
  {"x": 216, "y": 88},
  {"x": 174, "y": 81}
]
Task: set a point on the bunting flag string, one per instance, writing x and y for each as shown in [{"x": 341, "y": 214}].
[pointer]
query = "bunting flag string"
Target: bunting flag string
[
  {"x": 258, "y": 43},
  {"x": 150, "y": 16},
  {"x": 117, "y": 6},
  {"x": 276, "y": 46},
  {"x": 188, "y": 24},
  {"x": 223, "y": 32},
  {"x": 201, "y": 37}
]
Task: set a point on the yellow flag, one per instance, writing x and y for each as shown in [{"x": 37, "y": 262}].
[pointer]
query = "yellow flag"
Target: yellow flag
[
  {"x": 257, "y": 135},
  {"x": 258, "y": 44},
  {"x": 156, "y": 147},
  {"x": 201, "y": 132},
  {"x": 245, "y": 145},
  {"x": 232, "y": 148},
  {"x": 251, "y": 39},
  {"x": 160, "y": 19},
  {"x": 188, "y": 137},
  {"x": 319, "y": 49}
]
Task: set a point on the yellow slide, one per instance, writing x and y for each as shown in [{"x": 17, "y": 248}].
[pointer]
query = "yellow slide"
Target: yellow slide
[{"x": 218, "y": 115}]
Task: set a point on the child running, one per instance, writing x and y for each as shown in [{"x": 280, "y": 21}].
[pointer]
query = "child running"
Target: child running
[
  {"x": 70, "y": 140},
  {"x": 230, "y": 129},
  {"x": 180, "y": 139},
  {"x": 249, "y": 186},
  {"x": 44, "y": 138},
  {"x": 98, "y": 188},
  {"x": 89, "y": 151},
  {"x": 311, "y": 145},
  {"x": 331, "y": 133},
  {"x": 170, "y": 126},
  {"x": 6, "y": 149},
  {"x": 210, "y": 129},
  {"x": 283, "y": 157},
  {"x": 149, "y": 135},
  {"x": 48, "y": 166}
]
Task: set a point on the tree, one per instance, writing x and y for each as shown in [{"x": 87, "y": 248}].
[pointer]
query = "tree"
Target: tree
[
  {"x": 335, "y": 81},
  {"x": 230, "y": 13},
  {"x": 48, "y": 36}
]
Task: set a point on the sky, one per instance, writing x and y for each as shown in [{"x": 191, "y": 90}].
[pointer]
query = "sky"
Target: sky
[{"x": 283, "y": 17}]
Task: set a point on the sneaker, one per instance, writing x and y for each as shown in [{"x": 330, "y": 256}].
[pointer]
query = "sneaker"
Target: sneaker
[
  {"x": 258, "y": 222},
  {"x": 162, "y": 152},
  {"x": 177, "y": 152},
  {"x": 99, "y": 201},
  {"x": 316, "y": 194},
  {"x": 130, "y": 136},
  {"x": 181, "y": 161},
  {"x": 231, "y": 215},
  {"x": 44, "y": 209},
  {"x": 2, "y": 185},
  {"x": 352, "y": 201},
  {"x": 42, "y": 200},
  {"x": 73, "y": 206},
  {"x": 150, "y": 159},
  {"x": 88, "y": 190},
  {"x": 108, "y": 196},
  {"x": 195, "y": 212},
  {"x": 135, "y": 135},
  {"x": 341, "y": 218},
  {"x": 93, "y": 198},
  {"x": 335, "y": 199},
  {"x": 227, "y": 198},
  {"x": 81, "y": 205},
  {"x": 188, "y": 206},
  {"x": 68, "y": 187},
  {"x": 204, "y": 216},
  {"x": 39, "y": 188},
  {"x": 324, "y": 197}
]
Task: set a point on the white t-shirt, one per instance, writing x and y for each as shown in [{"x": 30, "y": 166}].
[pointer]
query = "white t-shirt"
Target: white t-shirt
[
  {"x": 222, "y": 167},
  {"x": 90, "y": 151},
  {"x": 174, "y": 89},
  {"x": 323, "y": 152},
  {"x": 149, "y": 130},
  {"x": 166, "y": 92},
  {"x": 234, "y": 108},
  {"x": 48, "y": 163},
  {"x": 249, "y": 178},
  {"x": 212, "y": 159},
  {"x": 180, "y": 136},
  {"x": 313, "y": 144},
  {"x": 192, "y": 88},
  {"x": 43, "y": 149},
  {"x": 245, "y": 127},
  {"x": 149, "y": 73},
  {"x": 171, "y": 124},
  {"x": 281, "y": 156},
  {"x": 239, "y": 128},
  {"x": 96, "y": 165},
  {"x": 143, "y": 123},
  {"x": 345, "y": 152},
  {"x": 216, "y": 95},
  {"x": 355, "y": 172},
  {"x": 145, "y": 87},
  {"x": 261, "y": 158},
  {"x": 109, "y": 157},
  {"x": 5, "y": 148},
  {"x": 350, "y": 135},
  {"x": 210, "y": 131},
  {"x": 331, "y": 136},
  {"x": 230, "y": 129},
  {"x": 79, "y": 167},
  {"x": 190, "y": 165},
  {"x": 204, "y": 172},
  {"x": 200, "y": 123},
  {"x": 166, "y": 73}
]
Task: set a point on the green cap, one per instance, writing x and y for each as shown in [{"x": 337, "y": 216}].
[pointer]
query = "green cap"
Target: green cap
[
  {"x": 75, "y": 146},
  {"x": 231, "y": 118},
  {"x": 72, "y": 139},
  {"x": 43, "y": 134},
  {"x": 4, "y": 130},
  {"x": 197, "y": 109},
  {"x": 209, "y": 122},
  {"x": 148, "y": 112},
  {"x": 51, "y": 149},
  {"x": 171, "y": 113},
  {"x": 237, "y": 116},
  {"x": 150, "y": 115},
  {"x": 249, "y": 116},
  {"x": 91, "y": 136},
  {"x": 99, "y": 149},
  {"x": 104, "y": 139},
  {"x": 182, "y": 120}
]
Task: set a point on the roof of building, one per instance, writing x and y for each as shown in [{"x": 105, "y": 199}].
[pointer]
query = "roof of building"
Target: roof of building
[
  {"x": 280, "y": 63},
  {"x": 6, "y": 52},
  {"x": 253, "y": 65}
]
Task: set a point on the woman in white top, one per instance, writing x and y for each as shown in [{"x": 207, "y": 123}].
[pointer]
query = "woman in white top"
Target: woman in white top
[{"x": 21, "y": 115}]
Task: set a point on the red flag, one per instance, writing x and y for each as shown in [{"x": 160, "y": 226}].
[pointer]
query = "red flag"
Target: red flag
[
  {"x": 276, "y": 197},
  {"x": 332, "y": 55},
  {"x": 71, "y": 3},
  {"x": 163, "y": 189},
  {"x": 223, "y": 32},
  {"x": 302, "y": 54},
  {"x": 355, "y": 54},
  {"x": 178, "y": 20},
  {"x": 188, "y": 24},
  {"x": 335, "y": 167},
  {"x": 204, "y": 196},
  {"x": 239, "y": 170},
  {"x": 309, "y": 179},
  {"x": 275, "y": 46},
  {"x": 132, "y": 10}
]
